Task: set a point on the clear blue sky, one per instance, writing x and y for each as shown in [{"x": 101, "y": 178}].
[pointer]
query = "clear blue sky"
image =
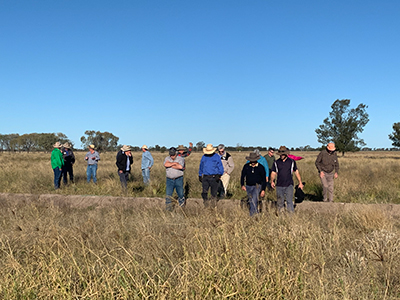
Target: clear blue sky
[{"x": 169, "y": 72}]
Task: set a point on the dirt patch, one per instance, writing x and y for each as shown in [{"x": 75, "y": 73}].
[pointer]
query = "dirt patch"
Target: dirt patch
[{"x": 86, "y": 201}]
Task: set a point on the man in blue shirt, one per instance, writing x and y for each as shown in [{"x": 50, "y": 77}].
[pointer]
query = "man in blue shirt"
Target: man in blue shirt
[
  {"x": 210, "y": 172},
  {"x": 147, "y": 163}
]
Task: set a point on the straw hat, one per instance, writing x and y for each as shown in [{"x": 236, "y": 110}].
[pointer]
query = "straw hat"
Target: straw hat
[
  {"x": 144, "y": 147},
  {"x": 57, "y": 145},
  {"x": 126, "y": 148},
  {"x": 209, "y": 149},
  {"x": 331, "y": 147},
  {"x": 91, "y": 147},
  {"x": 67, "y": 145}
]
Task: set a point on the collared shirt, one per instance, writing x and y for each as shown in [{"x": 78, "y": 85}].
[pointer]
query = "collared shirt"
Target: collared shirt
[
  {"x": 147, "y": 160},
  {"x": 174, "y": 173}
]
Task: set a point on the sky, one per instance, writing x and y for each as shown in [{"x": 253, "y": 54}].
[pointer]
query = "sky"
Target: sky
[{"x": 157, "y": 72}]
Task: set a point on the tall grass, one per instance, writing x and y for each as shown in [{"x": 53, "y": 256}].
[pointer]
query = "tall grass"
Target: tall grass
[
  {"x": 365, "y": 177},
  {"x": 132, "y": 252}
]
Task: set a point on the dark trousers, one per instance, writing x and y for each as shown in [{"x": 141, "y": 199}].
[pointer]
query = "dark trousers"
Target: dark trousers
[
  {"x": 124, "y": 177},
  {"x": 67, "y": 169},
  {"x": 209, "y": 182}
]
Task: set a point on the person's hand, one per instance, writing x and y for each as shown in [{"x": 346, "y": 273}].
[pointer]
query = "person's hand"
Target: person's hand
[
  {"x": 93, "y": 158},
  {"x": 190, "y": 144},
  {"x": 217, "y": 177},
  {"x": 272, "y": 184},
  {"x": 86, "y": 158},
  {"x": 301, "y": 185},
  {"x": 243, "y": 188},
  {"x": 262, "y": 194},
  {"x": 321, "y": 174},
  {"x": 336, "y": 175},
  {"x": 200, "y": 178},
  {"x": 120, "y": 171}
]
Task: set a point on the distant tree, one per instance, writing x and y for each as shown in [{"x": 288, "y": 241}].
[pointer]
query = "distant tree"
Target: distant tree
[
  {"x": 343, "y": 125},
  {"x": 7, "y": 141},
  {"x": 200, "y": 145},
  {"x": 157, "y": 147},
  {"x": 163, "y": 149},
  {"x": 239, "y": 147},
  {"x": 103, "y": 141},
  {"x": 395, "y": 135}
]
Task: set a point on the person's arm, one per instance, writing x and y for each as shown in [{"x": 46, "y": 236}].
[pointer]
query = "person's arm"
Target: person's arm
[
  {"x": 151, "y": 160},
  {"x": 272, "y": 181},
  {"x": 297, "y": 173},
  {"x": 263, "y": 181},
  {"x": 231, "y": 165},
  {"x": 242, "y": 177}
]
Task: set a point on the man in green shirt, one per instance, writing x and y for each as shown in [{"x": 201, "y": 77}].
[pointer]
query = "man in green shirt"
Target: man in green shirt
[
  {"x": 57, "y": 163},
  {"x": 270, "y": 160}
]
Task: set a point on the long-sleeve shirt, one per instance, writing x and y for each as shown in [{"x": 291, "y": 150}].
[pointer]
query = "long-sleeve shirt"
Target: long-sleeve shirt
[
  {"x": 264, "y": 163},
  {"x": 327, "y": 162},
  {"x": 147, "y": 160},
  {"x": 211, "y": 165},
  {"x": 252, "y": 175},
  {"x": 227, "y": 162},
  {"x": 57, "y": 160}
]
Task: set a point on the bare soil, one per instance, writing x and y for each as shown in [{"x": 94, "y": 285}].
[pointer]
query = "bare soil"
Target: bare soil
[{"x": 86, "y": 201}]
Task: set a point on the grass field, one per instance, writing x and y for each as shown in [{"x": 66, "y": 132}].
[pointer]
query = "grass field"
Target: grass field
[{"x": 142, "y": 252}]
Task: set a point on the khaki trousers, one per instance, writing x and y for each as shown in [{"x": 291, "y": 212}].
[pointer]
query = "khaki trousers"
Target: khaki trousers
[
  {"x": 225, "y": 181},
  {"x": 327, "y": 186}
]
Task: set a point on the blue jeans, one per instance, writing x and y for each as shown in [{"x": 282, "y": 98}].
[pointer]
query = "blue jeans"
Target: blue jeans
[
  {"x": 285, "y": 193},
  {"x": 91, "y": 172},
  {"x": 253, "y": 192},
  {"x": 57, "y": 177},
  {"x": 146, "y": 175},
  {"x": 176, "y": 184}
]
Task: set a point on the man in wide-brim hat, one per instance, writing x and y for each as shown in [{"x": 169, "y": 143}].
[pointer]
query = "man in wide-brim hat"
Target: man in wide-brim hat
[
  {"x": 57, "y": 164},
  {"x": 253, "y": 181},
  {"x": 69, "y": 160},
  {"x": 92, "y": 158},
  {"x": 283, "y": 168},
  {"x": 183, "y": 151},
  {"x": 147, "y": 164},
  {"x": 328, "y": 168},
  {"x": 210, "y": 172},
  {"x": 124, "y": 163}
]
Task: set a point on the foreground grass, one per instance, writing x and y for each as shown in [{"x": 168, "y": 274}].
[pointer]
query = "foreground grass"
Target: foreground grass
[
  {"x": 123, "y": 252},
  {"x": 365, "y": 177}
]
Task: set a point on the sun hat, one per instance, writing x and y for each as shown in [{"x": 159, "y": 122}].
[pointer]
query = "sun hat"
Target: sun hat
[
  {"x": 253, "y": 157},
  {"x": 91, "y": 147},
  {"x": 57, "y": 145},
  {"x": 331, "y": 147},
  {"x": 209, "y": 149},
  {"x": 126, "y": 148},
  {"x": 67, "y": 145},
  {"x": 172, "y": 151},
  {"x": 180, "y": 147},
  {"x": 283, "y": 150},
  {"x": 144, "y": 147}
]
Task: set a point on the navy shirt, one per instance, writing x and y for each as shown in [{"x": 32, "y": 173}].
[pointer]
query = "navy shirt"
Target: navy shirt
[{"x": 284, "y": 170}]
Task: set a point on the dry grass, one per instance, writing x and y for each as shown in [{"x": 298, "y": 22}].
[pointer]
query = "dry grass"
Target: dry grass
[
  {"x": 141, "y": 252},
  {"x": 365, "y": 177},
  {"x": 122, "y": 252}
]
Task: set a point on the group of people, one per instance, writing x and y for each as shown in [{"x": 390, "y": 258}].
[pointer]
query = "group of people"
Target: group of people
[{"x": 216, "y": 165}]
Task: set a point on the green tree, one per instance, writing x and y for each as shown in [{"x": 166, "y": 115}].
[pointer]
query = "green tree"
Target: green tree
[
  {"x": 395, "y": 135},
  {"x": 343, "y": 125},
  {"x": 103, "y": 141}
]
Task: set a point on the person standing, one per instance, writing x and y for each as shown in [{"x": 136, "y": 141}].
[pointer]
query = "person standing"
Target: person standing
[
  {"x": 69, "y": 160},
  {"x": 92, "y": 158},
  {"x": 174, "y": 167},
  {"x": 328, "y": 167},
  {"x": 283, "y": 168},
  {"x": 228, "y": 164},
  {"x": 270, "y": 158},
  {"x": 147, "y": 163},
  {"x": 210, "y": 172},
  {"x": 57, "y": 164},
  {"x": 124, "y": 162},
  {"x": 183, "y": 151},
  {"x": 253, "y": 181}
]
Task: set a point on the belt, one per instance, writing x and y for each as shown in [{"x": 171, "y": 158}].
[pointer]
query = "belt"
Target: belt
[{"x": 175, "y": 178}]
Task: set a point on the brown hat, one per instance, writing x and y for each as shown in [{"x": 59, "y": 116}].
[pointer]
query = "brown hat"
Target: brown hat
[
  {"x": 209, "y": 149},
  {"x": 331, "y": 147},
  {"x": 57, "y": 145},
  {"x": 181, "y": 147},
  {"x": 283, "y": 150},
  {"x": 126, "y": 148},
  {"x": 253, "y": 157}
]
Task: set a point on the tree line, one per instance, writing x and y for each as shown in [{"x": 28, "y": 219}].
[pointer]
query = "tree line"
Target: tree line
[{"x": 342, "y": 127}]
